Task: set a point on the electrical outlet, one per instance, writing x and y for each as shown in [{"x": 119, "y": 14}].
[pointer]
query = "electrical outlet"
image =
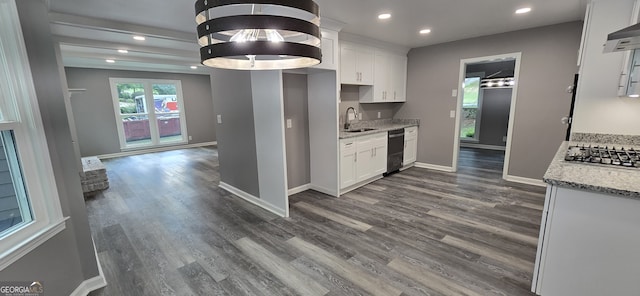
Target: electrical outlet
[
  {"x": 379, "y": 114},
  {"x": 219, "y": 119},
  {"x": 454, "y": 93},
  {"x": 359, "y": 116},
  {"x": 190, "y": 138},
  {"x": 288, "y": 123},
  {"x": 452, "y": 114}
]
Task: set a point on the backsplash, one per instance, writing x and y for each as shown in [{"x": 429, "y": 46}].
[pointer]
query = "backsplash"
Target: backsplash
[
  {"x": 350, "y": 97},
  {"x": 606, "y": 139}
]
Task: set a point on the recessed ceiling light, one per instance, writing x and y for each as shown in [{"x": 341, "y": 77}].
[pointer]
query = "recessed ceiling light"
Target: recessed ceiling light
[
  {"x": 139, "y": 38},
  {"x": 384, "y": 16},
  {"x": 123, "y": 51},
  {"x": 194, "y": 67},
  {"x": 425, "y": 31},
  {"x": 110, "y": 61},
  {"x": 523, "y": 10}
]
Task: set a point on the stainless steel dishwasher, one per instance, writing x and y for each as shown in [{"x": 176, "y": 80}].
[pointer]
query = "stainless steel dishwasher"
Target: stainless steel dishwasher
[{"x": 395, "y": 150}]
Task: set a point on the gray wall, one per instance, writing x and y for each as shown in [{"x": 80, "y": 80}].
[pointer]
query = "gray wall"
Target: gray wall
[
  {"x": 96, "y": 121},
  {"x": 548, "y": 63},
  {"x": 350, "y": 97},
  {"x": 233, "y": 98},
  {"x": 296, "y": 104},
  {"x": 68, "y": 258},
  {"x": 494, "y": 118}
]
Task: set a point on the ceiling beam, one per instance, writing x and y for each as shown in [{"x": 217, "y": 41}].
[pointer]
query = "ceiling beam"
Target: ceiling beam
[{"x": 121, "y": 27}]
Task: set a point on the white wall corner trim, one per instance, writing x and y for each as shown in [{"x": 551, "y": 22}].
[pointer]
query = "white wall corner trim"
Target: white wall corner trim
[
  {"x": 252, "y": 199},
  {"x": 299, "y": 189},
  {"x": 523, "y": 180},
  {"x": 423, "y": 165},
  {"x": 157, "y": 149},
  {"x": 93, "y": 283}
]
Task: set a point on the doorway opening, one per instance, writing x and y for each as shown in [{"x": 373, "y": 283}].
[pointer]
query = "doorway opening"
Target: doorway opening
[{"x": 486, "y": 106}]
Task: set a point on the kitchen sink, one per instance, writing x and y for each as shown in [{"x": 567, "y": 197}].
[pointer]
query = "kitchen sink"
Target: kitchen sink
[{"x": 359, "y": 130}]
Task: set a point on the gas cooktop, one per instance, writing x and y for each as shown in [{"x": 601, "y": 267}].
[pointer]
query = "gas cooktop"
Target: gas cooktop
[{"x": 617, "y": 156}]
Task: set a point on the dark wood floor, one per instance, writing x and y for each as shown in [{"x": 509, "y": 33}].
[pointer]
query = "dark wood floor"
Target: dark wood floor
[{"x": 165, "y": 228}]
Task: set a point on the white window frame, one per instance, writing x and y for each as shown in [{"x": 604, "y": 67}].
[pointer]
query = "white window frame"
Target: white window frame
[
  {"x": 22, "y": 115},
  {"x": 151, "y": 114},
  {"x": 476, "y": 135}
]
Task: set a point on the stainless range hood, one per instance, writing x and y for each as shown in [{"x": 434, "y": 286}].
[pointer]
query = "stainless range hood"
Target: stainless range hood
[{"x": 623, "y": 40}]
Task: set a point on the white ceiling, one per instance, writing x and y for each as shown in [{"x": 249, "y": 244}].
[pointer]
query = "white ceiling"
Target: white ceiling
[{"x": 108, "y": 25}]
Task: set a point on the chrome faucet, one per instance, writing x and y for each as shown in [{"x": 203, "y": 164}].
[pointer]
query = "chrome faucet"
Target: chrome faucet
[{"x": 347, "y": 124}]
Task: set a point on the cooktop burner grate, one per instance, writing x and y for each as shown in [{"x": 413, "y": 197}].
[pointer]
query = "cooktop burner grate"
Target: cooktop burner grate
[{"x": 604, "y": 155}]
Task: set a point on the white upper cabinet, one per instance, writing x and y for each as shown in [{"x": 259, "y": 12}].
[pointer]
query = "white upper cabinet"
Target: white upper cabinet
[
  {"x": 356, "y": 64},
  {"x": 399, "y": 78},
  {"x": 330, "y": 49},
  {"x": 390, "y": 79}
]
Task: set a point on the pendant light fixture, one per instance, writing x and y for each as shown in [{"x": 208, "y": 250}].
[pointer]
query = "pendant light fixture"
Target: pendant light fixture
[
  {"x": 258, "y": 34},
  {"x": 496, "y": 80}
]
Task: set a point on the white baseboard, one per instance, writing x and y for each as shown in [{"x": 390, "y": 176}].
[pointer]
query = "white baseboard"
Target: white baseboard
[
  {"x": 360, "y": 184},
  {"x": 407, "y": 166},
  {"x": 252, "y": 199},
  {"x": 93, "y": 283},
  {"x": 434, "y": 167},
  {"x": 157, "y": 149},
  {"x": 528, "y": 181},
  {"x": 324, "y": 190},
  {"x": 483, "y": 146},
  {"x": 299, "y": 189}
]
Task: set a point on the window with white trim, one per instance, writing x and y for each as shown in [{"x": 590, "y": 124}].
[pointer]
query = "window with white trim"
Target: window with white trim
[
  {"x": 149, "y": 113},
  {"x": 30, "y": 210}
]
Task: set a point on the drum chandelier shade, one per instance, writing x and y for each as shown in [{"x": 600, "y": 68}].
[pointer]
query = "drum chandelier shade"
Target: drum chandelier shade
[{"x": 258, "y": 34}]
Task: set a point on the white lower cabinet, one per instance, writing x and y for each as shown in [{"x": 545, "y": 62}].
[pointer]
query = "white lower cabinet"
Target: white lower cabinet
[
  {"x": 347, "y": 162},
  {"x": 410, "y": 145},
  {"x": 362, "y": 158}
]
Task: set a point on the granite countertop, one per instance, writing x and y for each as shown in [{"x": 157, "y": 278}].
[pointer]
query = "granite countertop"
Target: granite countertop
[
  {"x": 593, "y": 177},
  {"x": 379, "y": 126}
]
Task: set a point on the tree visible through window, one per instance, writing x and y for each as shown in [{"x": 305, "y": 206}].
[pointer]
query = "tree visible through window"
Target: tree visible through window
[{"x": 470, "y": 108}]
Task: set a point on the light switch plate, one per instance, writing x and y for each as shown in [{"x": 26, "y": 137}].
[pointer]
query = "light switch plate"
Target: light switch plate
[
  {"x": 504, "y": 139},
  {"x": 452, "y": 114},
  {"x": 219, "y": 119},
  {"x": 454, "y": 93},
  {"x": 288, "y": 123},
  {"x": 379, "y": 114}
]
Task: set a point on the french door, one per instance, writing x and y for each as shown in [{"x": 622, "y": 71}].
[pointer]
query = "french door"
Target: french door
[{"x": 148, "y": 112}]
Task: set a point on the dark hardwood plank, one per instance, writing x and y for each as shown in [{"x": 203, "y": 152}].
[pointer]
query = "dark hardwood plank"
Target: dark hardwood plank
[{"x": 165, "y": 228}]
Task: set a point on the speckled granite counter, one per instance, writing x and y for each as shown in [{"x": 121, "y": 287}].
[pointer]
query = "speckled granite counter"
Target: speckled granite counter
[
  {"x": 592, "y": 177},
  {"x": 379, "y": 126}
]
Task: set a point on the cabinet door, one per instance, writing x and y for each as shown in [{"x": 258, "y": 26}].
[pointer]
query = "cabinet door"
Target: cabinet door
[
  {"x": 363, "y": 158},
  {"x": 365, "y": 65},
  {"x": 410, "y": 145},
  {"x": 348, "y": 58},
  {"x": 381, "y": 78},
  {"x": 347, "y": 163},
  {"x": 398, "y": 79},
  {"x": 379, "y": 160},
  {"x": 329, "y": 50}
]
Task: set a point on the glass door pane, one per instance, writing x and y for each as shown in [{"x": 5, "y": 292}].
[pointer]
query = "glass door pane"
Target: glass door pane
[
  {"x": 167, "y": 112},
  {"x": 134, "y": 115}
]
